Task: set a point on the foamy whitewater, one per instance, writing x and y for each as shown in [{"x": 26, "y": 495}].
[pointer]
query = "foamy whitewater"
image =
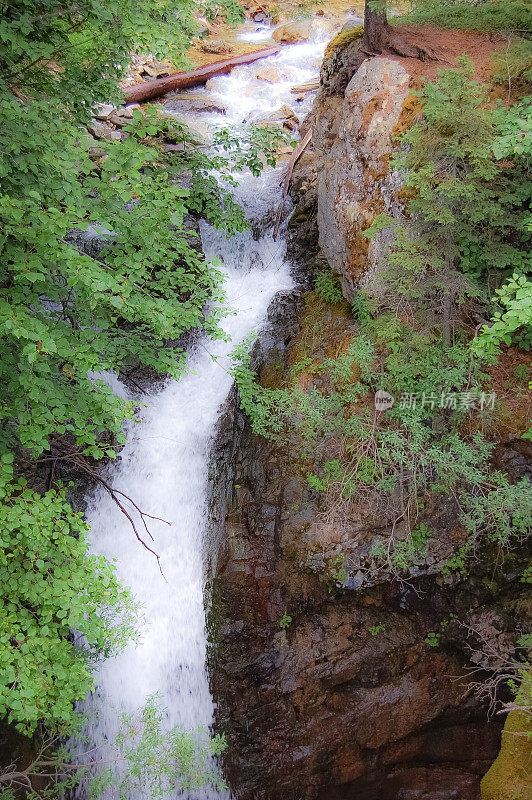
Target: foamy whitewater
[{"x": 164, "y": 464}]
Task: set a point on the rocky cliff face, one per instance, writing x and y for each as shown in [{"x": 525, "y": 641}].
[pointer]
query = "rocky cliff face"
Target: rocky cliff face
[
  {"x": 332, "y": 678},
  {"x": 325, "y": 674}
]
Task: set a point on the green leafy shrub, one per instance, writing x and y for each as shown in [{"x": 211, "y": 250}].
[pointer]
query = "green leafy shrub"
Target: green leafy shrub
[
  {"x": 145, "y": 758},
  {"x": 67, "y": 313},
  {"x": 51, "y": 586},
  {"x": 156, "y": 761},
  {"x": 230, "y": 10},
  {"x": 328, "y": 287},
  {"x": 514, "y": 323},
  {"x": 411, "y": 451}
]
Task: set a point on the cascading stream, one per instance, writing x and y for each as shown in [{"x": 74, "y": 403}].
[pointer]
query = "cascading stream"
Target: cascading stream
[{"x": 164, "y": 464}]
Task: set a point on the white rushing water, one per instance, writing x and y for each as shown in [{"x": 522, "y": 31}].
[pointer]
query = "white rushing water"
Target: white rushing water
[{"x": 164, "y": 464}]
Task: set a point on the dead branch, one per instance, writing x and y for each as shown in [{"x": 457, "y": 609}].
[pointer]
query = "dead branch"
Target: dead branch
[
  {"x": 117, "y": 495},
  {"x": 288, "y": 176}
]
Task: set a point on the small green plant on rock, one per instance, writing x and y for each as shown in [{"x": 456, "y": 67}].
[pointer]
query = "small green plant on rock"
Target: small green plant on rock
[
  {"x": 407, "y": 552},
  {"x": 285, "y": 621},
  {"x": 328, "y": 286},
  {"x": 433, "y": 639},
  {"x": 376, "y": 629},
  {"x": 339, "y": 575}
]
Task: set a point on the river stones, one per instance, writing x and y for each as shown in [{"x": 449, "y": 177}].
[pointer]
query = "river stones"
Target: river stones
[
  {"x": 103, "y": 110},
  {"x": 122, "y": 116},
  {"x": 217, "y": 46},
  {"x": 286, "y": 116},
  {"x": 293, "y": 32},
  {"x": 194, "y": 103},
  {"x": 302, "y": 30},
  {"x": 271, "y": 74},
  {"x": 101, "y": 130}
]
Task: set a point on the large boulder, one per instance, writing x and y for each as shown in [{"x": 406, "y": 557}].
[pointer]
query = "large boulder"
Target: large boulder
[
  {"x": 293, "y": 32},
  {"x": 355, "y": 139}
]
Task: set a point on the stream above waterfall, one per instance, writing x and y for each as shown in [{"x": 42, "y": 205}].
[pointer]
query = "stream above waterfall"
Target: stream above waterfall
[{"x": 163, "y": 466}]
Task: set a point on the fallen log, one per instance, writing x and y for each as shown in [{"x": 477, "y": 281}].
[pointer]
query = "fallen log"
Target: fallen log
[{"x": 196, "y": 77}]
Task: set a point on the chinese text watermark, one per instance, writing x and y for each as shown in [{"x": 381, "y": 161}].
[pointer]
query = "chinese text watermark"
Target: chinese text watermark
[{"x": 455, "y": 401}]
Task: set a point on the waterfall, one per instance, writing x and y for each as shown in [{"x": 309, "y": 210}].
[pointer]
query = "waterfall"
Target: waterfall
[{"x": 164, "y": 463}]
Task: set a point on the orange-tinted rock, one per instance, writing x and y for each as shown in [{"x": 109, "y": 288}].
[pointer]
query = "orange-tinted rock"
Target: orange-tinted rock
[{"x": 356, "y": 183}]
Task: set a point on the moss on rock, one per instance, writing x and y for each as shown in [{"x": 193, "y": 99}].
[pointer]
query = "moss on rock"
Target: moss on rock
[
  {"x": 342, "y": 40},
  {"x": 510, "y": 776}
]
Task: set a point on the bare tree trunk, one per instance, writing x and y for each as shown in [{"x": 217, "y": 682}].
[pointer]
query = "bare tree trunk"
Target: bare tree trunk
[
  {"x": 376, "y": 28},
  {"x": 446, "y": 319}
]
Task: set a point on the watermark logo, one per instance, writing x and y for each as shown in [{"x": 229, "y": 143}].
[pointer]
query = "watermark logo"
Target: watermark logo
[
  {"x": 455, "y": 401},
  {"x": 383, "y": 400}
]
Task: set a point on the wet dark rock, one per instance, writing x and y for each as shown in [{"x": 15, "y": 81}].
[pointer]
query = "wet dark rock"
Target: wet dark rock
[
  {"x": 347, "y": 698},
  {"x": 342, "y": 58},
  {"x": 92, "y": 241}
]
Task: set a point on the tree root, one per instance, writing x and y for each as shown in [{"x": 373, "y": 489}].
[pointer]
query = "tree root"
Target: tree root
[{"x": 399, "y": 44}]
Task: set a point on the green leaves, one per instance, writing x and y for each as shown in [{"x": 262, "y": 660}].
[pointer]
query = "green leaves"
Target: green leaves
[
  {"x": 156, "y": 761},
  {"x": 515, "y": 297},
  {"x": 50, "y": 586},
  {"x": 328, "y": 287},
  {"x": 405, "y": 458}
]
